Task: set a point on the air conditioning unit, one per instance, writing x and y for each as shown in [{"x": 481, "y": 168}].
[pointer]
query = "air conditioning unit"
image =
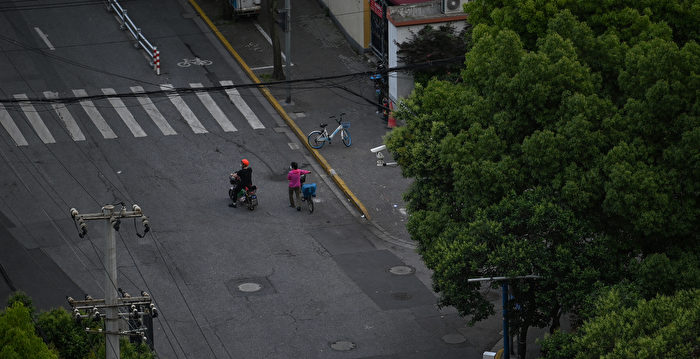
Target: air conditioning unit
[{"x": 453, "y": 6}]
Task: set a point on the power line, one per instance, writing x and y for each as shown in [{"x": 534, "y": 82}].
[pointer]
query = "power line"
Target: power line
[{"x": 187, "y": 90}]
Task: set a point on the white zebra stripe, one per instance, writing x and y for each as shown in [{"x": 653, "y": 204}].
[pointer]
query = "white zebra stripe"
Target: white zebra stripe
[
  {"x": 11, "y": 127},
  {"x": 242, "y": 106},
  {"x": 66, "y": 117},
  {"x": 94, "y": 115},
  {"x": 124, "y": 113},
  {"x": 153, "y": 112},
  {"x": 35, "y": 120},
  {"x": 214, "y": 109},
  {"x": 185, "y": 111}
]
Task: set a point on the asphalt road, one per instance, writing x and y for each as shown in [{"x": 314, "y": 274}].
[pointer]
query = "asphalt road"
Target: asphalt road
[{"x": 324, "y": 282}]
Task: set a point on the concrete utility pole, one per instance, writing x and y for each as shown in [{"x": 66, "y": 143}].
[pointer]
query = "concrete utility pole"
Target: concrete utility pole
[{"x": 111, "y": 303}]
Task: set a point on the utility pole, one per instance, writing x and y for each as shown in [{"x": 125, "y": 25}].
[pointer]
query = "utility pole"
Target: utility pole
[
  {"x": 288, "y": 46},
  {"x": 111, "y": 303}
]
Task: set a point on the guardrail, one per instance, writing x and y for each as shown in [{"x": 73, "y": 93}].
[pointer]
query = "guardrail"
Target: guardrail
[{"x": 141, "y": 41}]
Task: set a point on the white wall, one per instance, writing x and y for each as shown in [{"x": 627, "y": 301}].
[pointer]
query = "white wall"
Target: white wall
[{"x": 350, "y": 15}]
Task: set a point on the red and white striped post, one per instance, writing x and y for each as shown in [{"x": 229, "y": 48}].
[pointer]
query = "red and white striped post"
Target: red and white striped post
[{"x": 156, "y": 60}]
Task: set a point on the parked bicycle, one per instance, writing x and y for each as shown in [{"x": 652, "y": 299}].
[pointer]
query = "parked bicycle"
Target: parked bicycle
[
  {"x": 308, "y": 192},
  {"x": 319, "y": 138}
]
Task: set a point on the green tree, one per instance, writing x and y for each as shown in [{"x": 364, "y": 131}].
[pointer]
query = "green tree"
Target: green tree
[
  {"x": 65, "y": 334},
  {"x": 663, "y": 327},
  {"x": 22, "y": 297},
  {"x": 430, "y": 44},
  {"x": 570, "y": 149},
  {"x": 18, "y": 339}
]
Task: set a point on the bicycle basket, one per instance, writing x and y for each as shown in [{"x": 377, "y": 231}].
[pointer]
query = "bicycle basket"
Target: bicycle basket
[
  {"x": 309, "y": 189},
  {"x": 346, "y": 124}
]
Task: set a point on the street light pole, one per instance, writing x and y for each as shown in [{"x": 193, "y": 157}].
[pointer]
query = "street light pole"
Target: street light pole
[{"x": 504, "y": 291}]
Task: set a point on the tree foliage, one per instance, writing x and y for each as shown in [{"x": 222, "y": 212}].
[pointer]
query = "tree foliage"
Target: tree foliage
[
  {"x": 430, "y": 44},
  {"x": 54, "y": 334},
  {"x": 18, "y": 340},
  {"x": 570, "y": 149},
  {"x": 663, "y": 327}
]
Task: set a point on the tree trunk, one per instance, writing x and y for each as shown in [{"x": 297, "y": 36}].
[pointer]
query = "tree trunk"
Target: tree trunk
[
  {"x": 277, "y": 71},
  {"x": 555, "y": 316},
  {"x": 522, "y": 341}
]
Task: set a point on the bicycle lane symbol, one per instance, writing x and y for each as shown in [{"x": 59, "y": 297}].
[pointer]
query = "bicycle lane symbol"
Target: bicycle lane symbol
[{"x": 196, "y": 61}]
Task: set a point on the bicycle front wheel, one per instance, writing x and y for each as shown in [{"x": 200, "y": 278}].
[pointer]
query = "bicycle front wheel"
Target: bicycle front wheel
[
  {"x": 347, "y": 141},
  {"x": 310, "y": 204},
  {"x": 316, "y": 139}
]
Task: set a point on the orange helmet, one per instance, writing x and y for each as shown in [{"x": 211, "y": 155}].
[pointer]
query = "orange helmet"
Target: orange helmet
[{"x": 245, "y": 162}]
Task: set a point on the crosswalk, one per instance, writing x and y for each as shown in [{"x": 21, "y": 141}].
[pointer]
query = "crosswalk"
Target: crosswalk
[{"x": 19, "y": 121}]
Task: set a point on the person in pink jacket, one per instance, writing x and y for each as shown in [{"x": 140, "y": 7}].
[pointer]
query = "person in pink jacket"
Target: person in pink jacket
[{"x": 294, "y": 176}]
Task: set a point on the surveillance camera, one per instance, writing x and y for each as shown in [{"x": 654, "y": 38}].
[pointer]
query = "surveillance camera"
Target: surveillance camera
[{"x": 379, "y": 148}]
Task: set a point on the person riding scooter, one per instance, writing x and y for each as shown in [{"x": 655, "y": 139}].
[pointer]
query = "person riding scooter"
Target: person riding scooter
[{"x": 244, "y": 179}]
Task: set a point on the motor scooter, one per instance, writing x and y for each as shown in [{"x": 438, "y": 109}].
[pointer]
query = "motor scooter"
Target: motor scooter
[{"x": 246, "y": 196}]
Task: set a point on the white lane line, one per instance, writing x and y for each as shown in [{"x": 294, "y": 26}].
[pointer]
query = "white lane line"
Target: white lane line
[
  {"x": 11, "y": 127},
  {"x": 242, "y": 106},
  {"x": 214, "y": 109},
  {"x": 269, "y": 40},
  {"x": 153, "y": 112},
  {"x": 45, "y": 38},
  {"x": 185, "y": 111},
  {"x": 124, "y": 113},
  {"x": 34, "y": 119},
  {"x": 94, "y": 115},
  {"x": 66, "y": 117}
]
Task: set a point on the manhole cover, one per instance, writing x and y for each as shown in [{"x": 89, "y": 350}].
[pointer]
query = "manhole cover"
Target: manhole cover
[
  {"x": 401, "y": 296},
  {"x": 343, "y": 345},
  {"x": 249, "y": 287},
  {"x": 454, "y": 339},
  {"x": 401, "y": 270}
]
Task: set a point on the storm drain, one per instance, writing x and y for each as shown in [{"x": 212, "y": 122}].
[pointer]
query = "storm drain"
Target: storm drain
[
  {"x": 454, "y": 339},
  {"x": 343, "y": 346},
  {"x": 249, "y": 286},
  {"x": 401, "y": 270}
]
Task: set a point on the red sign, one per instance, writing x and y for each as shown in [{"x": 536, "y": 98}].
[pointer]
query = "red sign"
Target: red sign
[{"x": 376, "y": 8}]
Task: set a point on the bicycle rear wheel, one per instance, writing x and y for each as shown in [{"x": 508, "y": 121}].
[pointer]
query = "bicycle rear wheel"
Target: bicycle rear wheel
[
  {"x": 309, "y": 203},
  {"x": 347, "y": 141},
  {"x": 316, "y": 139}
]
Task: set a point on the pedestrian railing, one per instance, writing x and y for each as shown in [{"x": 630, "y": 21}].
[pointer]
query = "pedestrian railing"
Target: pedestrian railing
[{"x": 141, "y": 41}]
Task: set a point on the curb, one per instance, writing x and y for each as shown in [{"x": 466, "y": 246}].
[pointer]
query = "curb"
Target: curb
[{"x": 288, "y": 120}]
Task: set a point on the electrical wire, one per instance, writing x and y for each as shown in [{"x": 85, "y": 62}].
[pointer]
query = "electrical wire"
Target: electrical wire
[
  {"x": 167, "y": 323},
  {"x": 189, "y": 90}
]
